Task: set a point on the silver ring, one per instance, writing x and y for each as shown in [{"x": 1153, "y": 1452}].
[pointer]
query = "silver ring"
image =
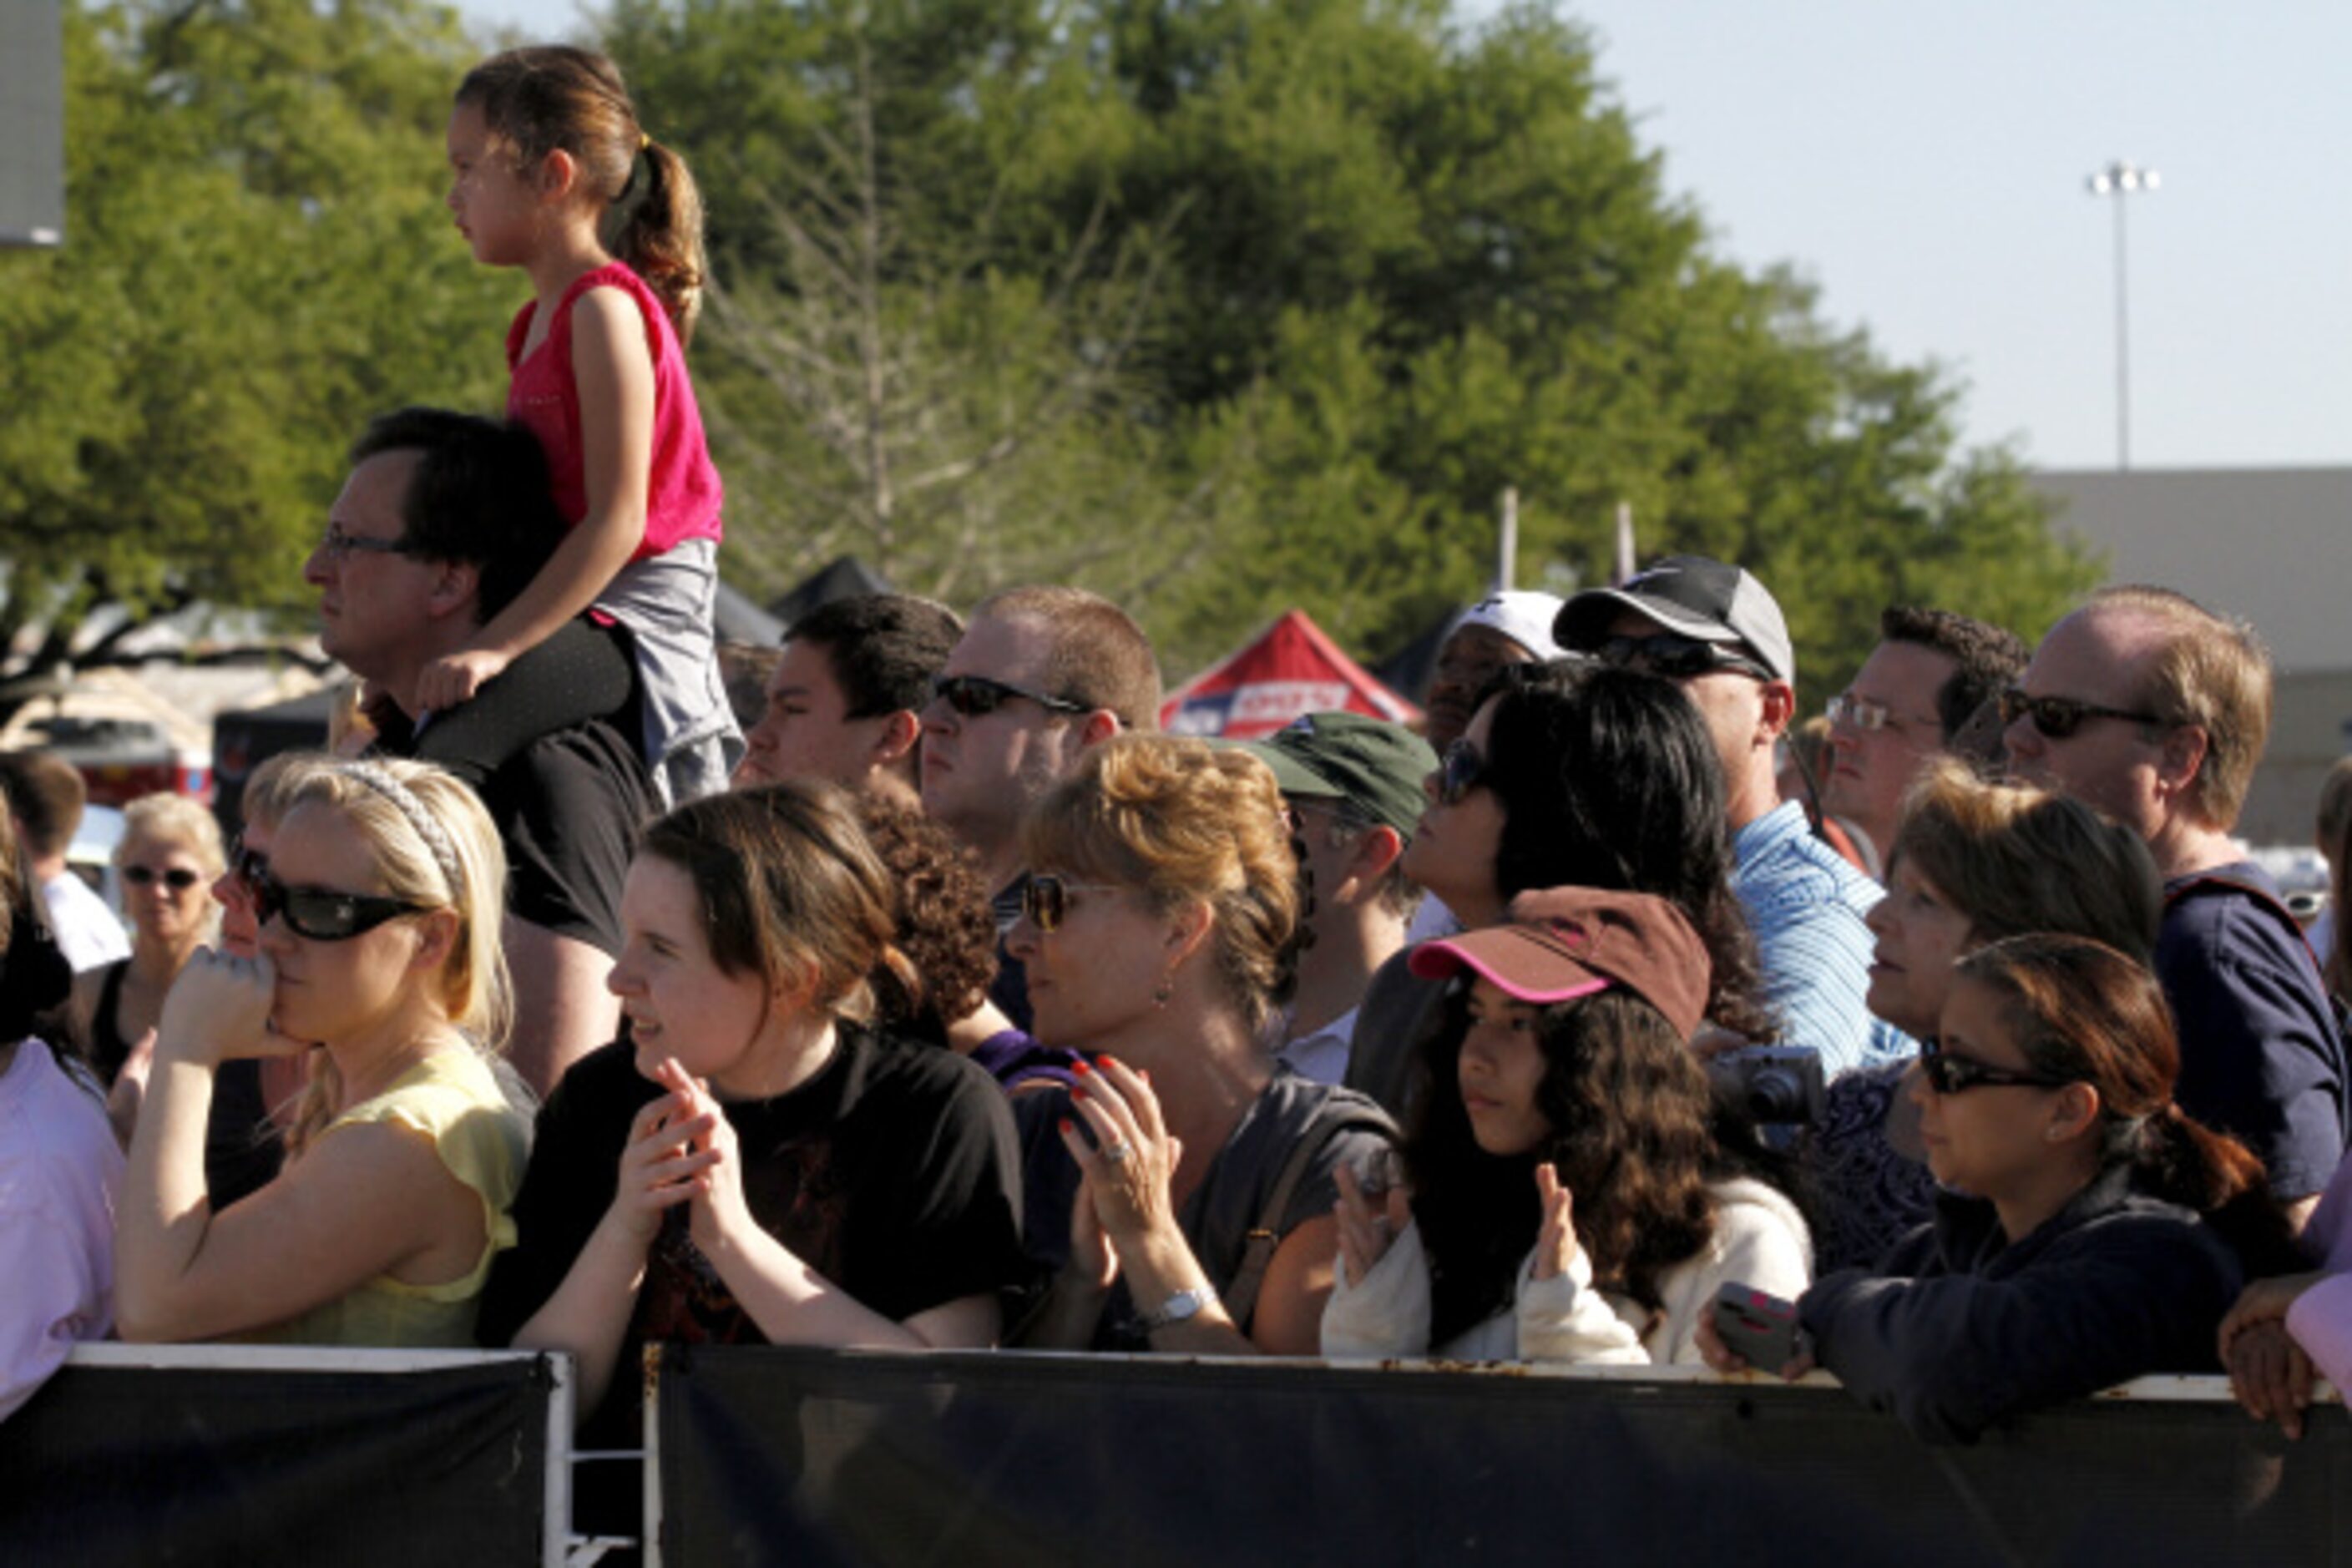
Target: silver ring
[{"x": 1117, "y": 1153}]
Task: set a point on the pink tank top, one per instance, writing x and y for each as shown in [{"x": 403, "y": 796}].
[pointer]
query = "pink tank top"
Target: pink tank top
[{"x": 683, "y": 491}]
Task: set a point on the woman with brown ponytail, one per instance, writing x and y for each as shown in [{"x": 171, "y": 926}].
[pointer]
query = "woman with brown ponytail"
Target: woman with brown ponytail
[
  {"x": 752, "y": 1165},
  {"x": 2097, "y": 1241}
]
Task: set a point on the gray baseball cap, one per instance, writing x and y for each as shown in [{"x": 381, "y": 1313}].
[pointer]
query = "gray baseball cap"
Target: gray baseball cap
[{"x": 1710, "y": 600}]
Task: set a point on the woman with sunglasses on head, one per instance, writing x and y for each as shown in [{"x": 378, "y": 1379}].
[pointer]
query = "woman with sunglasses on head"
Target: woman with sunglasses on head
[
  {"x": 2096, "y": 1241},
  {"x": 1970, "y": 862},
  {"x": 379, "y": 915},
  {"x": 1570, "y": 775},
  {"x": 753, "y": 1165},
  {"x": 1181, "y": 1193},
  {"x": 1569, "y": 1199}
]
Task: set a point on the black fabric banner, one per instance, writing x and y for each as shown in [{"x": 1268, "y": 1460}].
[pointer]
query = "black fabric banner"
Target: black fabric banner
[
  {"x": 146, "y": 1466},
  {"x": 818, "y": 1457}
]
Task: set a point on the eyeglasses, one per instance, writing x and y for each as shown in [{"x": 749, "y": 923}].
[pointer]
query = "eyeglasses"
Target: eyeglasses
[
  {"x": 1675, "y": 657},
  {"x": 341, "y": 545},
  {"x": 1046, "y": 898},
  {"x": 1461, "y": 770},
  {"x": 2058, "y": 716},
  {"x": 977, "y": 696},
  {"x": 1861, "y": 714},
  {"x": 322, "y": 915},
  {"x": 1951, "y": 1075},
  {"x": 179, "y": 879}
]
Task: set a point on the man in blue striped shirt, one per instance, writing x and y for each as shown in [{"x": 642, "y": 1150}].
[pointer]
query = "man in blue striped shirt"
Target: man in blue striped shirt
[{"x": 1713, "y": 629}]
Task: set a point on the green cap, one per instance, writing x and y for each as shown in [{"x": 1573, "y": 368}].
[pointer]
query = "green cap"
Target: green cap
[{"x": 1375, "y": 767}]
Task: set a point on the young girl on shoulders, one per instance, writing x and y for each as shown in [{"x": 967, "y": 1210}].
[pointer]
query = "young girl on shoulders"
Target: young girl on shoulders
[{"x": 550, "y": 173}]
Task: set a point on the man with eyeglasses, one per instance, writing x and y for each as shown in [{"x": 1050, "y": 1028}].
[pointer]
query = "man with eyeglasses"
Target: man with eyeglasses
[
  {"x": 2155, "y": 711},
  {"x": 443, "y": 518},
  {"x": 844, "y": 703},
  {"x": 1353, "y": 786},
  {"x": 1039, "y": 674},
  {"x": 1714, "y": 629},
  {"x": 1929, "y": 674}
]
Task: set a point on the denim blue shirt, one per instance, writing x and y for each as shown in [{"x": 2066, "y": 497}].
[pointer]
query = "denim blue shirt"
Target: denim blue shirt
[{"x": 1805, "y": 904}]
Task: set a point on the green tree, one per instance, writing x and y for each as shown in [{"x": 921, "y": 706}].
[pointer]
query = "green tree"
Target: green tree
[{"x": 257, "y": 261}]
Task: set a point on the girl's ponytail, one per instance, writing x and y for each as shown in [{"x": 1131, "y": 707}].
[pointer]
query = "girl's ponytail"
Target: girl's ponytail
[{"x": 660, "y": 235}]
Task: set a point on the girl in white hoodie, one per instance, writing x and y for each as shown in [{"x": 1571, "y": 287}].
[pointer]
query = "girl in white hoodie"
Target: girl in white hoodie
[{"x": 1570, "y": 1198}]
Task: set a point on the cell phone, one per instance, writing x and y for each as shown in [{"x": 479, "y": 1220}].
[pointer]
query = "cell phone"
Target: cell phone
[{"x": 1761, "y": 1328}]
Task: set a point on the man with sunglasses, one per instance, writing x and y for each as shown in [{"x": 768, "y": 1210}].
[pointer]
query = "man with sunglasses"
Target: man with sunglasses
[
  {"x": 1715, "y": 630},
  {"x": 844, "y": 703},
  {"x": 2155, "y": 711},
  {"x": 443, "y": 520},
  {"x": 1039, "y": 674}
]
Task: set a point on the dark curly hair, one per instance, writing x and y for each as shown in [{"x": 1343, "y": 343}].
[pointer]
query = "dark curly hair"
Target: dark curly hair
[
  {"x": 1607, "y": 779},
  {"x": 945, "y": 927},
  {"x": 1634, "y": 1136}
]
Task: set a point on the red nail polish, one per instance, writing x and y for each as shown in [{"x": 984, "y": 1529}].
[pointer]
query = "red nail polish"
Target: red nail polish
[
  {"x": 1078, "y": 1091},
  {"x": 1063, "y": 1124},
  {"x": 1080, "y": 1067},
  {"x": 1103, "y": 1062}
]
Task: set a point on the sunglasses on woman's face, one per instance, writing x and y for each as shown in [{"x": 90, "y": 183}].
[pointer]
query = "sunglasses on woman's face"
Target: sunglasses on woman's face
[
  {"x": 1461, "y": 771},
  {"x": 1949, "y": 1074},
  {"x": 1046, "y": 898},
  {"x": 179, "y": 879},
  {"x": 245, "y": 865},
  {"x": 322, "y": 915},
  {"x": 2058, "y": 716}
]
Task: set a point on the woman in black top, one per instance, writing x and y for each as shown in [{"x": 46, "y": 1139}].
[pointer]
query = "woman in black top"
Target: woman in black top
[
  {"x": 751, "y": 1165},
  {"x": 2097, "y": 1245}
]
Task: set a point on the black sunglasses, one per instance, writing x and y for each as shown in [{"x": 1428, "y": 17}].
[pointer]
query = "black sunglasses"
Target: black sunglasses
[
  {"x": 1461, "y": 770},
  {"x": 1046, "y": 898},
  {"x": 2058, "y": 716},
  {"x": 1675, "y": 657},
  {"x": 248, "y": 866},
  {"x": 179, "y": 879},
  {"x": 322, "y": 915},
  {"x": 1951, "y": 1075},
  {"x": 977, "y": 696}
]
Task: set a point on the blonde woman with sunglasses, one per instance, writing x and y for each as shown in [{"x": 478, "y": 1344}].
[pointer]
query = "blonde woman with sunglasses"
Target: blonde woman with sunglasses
[
  {"x": 170, "y": 853},
  {"x": 378, "y": 916}
]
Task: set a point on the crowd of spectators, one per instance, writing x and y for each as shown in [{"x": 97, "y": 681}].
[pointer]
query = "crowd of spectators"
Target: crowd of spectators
[{"x": 978, "y": 1013}]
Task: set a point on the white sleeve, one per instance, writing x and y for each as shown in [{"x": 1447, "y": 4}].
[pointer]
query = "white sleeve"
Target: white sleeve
[
  {"x": 1388, "y": 1313},
  {"x": 1565, "y": 1319},
  {"x": 1754, "y": 1246}
]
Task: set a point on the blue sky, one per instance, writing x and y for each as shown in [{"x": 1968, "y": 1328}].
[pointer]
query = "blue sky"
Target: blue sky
[{"x": 1924, "y": 163}]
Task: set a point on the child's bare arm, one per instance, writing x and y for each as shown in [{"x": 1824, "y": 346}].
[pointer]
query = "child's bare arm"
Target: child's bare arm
[{"x": 615, "y": 373}]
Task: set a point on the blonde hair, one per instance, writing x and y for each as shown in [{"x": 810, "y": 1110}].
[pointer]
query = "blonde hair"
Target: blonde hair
[
  {"x": 2012, "y": 858},
  {"x": 413, "y": 862},
  {"x": 270, "y": 790},
  {"x": 175, "y": 820},
  {"x": 1183, "y": 821}
]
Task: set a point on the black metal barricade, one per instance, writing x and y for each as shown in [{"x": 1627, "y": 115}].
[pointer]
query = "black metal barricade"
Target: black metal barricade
[
  {"x": 145, "y": 1457},
  {"x": 817, "y": 1458}
]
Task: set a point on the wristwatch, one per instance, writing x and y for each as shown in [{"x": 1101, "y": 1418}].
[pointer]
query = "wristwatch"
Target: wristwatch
[{"x": 1184, "y": 1304}]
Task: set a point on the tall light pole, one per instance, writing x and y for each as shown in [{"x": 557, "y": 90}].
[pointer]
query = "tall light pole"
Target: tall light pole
[{"x": 2120, "y": 179}]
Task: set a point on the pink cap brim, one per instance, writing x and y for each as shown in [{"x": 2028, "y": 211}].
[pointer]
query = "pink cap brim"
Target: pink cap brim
[{"x": 1446, "y": 957}]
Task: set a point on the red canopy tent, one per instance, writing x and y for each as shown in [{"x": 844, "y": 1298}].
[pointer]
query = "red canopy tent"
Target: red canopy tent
[{"x": 1289, "y": 669}]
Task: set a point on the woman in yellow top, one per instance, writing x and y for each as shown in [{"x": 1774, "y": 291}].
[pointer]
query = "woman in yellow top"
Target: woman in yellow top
[{"x": 380, "y": 908}]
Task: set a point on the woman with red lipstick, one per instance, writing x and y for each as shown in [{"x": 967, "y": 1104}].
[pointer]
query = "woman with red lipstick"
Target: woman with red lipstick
[
  {"x": 1571, "y": 1200},
  {"x": 1181, "y": 1193},
  {"x": 2096, "y": 1241},
  {"x": 752, "y": 1165}
]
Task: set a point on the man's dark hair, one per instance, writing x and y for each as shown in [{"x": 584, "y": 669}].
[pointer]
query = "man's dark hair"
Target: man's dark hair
[
  {"x": 1990, "y": 659},
  {"x": 479, "y": 496},
  {"x": 884, "y": 648},
  {"x": 46, "y": 796}
]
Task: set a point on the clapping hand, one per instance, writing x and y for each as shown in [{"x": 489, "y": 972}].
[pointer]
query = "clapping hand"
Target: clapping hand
[{"x": 1369, "y": 1222}]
